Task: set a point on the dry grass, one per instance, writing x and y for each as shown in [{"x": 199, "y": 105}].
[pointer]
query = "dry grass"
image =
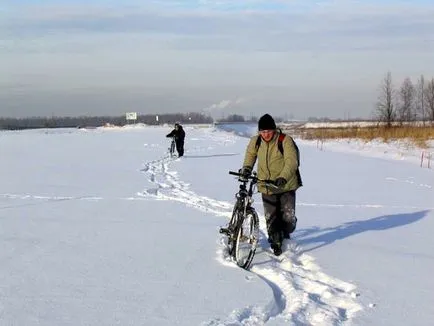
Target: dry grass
[{"x": 418, "y": 135}]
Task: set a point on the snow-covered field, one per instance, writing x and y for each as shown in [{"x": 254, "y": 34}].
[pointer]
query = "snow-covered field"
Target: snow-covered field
[{"x": 101, "y": 227}]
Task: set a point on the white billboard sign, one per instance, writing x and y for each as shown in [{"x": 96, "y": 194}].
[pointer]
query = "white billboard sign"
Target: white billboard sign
[{"x": 131, "y": 115}]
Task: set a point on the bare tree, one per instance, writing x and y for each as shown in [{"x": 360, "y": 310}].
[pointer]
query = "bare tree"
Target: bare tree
[
  {"x": 385, "y": 105},
  {"x": 421, "y": 107},
  {"x": 407, "y": 95},
  {"x": 429, "y": 93}
]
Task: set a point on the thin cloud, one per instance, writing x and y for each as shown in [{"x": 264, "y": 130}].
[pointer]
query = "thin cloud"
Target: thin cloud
[
  {"x": 271, "y": 52},
  {"x": 336, "y": 24}
]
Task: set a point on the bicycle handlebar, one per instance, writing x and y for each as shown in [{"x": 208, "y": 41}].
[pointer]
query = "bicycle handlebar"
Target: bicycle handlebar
[
  {"x": 235, "y": 173},
  {"x": 267, "y": 182}
]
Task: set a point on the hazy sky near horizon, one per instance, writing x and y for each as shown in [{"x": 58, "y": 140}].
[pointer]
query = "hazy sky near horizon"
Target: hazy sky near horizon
[{"x": 286, "y": 57}]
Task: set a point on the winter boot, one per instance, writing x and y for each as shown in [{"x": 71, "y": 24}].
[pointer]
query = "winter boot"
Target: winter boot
[
  {"x": 277, "y": 248},
  {"x": 276, "y": 243}
]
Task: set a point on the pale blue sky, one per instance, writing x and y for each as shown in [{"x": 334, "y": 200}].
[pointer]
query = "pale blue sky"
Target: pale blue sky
[{"x": 306, "y": 58}]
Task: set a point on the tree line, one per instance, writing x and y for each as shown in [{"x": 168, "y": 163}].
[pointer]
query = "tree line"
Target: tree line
[
  {"x": 238, "y": 118},
  {"x": 97, "y": 121},
  {"x": 408, "y": 102}
]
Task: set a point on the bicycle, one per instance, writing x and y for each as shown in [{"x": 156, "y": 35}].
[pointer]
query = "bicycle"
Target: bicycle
[
  {"x": 243, "y": 228},
  {"x": 172, "y": 147}
]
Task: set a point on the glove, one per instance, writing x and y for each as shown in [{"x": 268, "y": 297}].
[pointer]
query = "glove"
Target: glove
[
  {"x": 280, "y": 182},
  {"x": 246, "y": 171}
]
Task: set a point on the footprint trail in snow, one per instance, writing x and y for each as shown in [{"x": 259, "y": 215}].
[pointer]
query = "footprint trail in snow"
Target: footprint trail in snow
[{"x": 302, "y": 293}]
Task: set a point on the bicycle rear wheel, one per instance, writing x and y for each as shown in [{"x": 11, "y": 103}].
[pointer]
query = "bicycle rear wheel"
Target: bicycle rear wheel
[{"x": 246, "y": 239}]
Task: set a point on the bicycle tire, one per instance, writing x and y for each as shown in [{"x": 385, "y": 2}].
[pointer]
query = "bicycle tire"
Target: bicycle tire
[
  {"x": 232, "y": 234},
  {"x": 172, "y": 148},
  {"x": 246, "y": 239}
]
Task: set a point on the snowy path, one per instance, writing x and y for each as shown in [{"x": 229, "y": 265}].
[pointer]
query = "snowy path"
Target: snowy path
[
  {"x": 169, "y": 187},
  {"x": 302, "y": 293}
]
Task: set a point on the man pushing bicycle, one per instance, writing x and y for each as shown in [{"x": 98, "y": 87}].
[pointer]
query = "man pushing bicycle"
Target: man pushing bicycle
[
  {"x": 178, "y": 134},
  {"x": 278, "y": 161}
]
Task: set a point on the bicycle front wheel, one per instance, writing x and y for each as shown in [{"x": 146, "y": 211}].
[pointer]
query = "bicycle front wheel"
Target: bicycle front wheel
[
  {"x": 172, "y": 148},
  {"x": 247, "y": 236}
]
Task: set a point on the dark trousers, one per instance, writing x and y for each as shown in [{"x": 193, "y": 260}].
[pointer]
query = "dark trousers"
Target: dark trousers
[
  {"x": 180, "y": 147},
  {"x": 279, "y": 212}
]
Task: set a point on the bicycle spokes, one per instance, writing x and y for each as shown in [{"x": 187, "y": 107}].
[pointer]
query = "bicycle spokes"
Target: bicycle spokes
[{"x": 247, "y": 236}]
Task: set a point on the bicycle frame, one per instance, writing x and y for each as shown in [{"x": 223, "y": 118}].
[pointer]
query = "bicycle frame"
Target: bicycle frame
[
  {"x": 243, "y": 209},
  {"x": 238, "y": 235},
  {"x": 244, "y": 196}
]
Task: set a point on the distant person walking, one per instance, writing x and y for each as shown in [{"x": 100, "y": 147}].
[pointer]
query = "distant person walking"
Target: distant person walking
[{"x": 179, "y": 134}]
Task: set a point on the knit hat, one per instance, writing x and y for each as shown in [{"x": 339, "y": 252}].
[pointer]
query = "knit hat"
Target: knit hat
[{"x": 266, "y": 122}]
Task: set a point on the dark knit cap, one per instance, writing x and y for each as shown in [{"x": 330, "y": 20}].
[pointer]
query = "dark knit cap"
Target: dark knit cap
[{"x": 266, "y": 122}]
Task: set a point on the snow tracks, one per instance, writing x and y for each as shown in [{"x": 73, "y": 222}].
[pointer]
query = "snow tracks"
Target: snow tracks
[{"x": 302, "y": 293}]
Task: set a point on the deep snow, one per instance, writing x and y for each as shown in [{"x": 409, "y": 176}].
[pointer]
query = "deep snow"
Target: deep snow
[{"x": 101, "y": 227}]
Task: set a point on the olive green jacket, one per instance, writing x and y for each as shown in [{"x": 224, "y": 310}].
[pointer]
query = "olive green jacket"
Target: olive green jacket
[{"x": 272, "y": 164}]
